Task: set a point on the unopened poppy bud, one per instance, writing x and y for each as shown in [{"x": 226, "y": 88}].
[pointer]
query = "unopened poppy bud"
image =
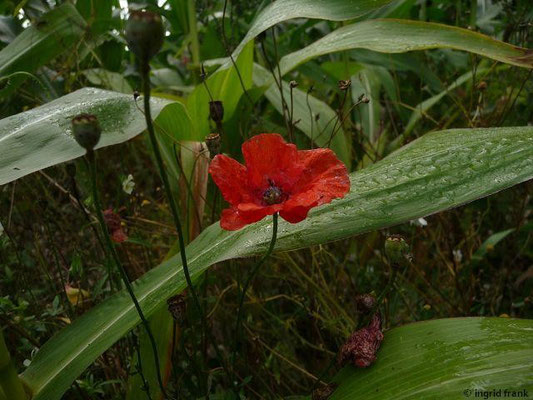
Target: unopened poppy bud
[
  {"x": 396, "y": 249},
  {"x": 481, "y": 86},
  {"x": 365, "y": 302},
  {"x": 212, "y": 141},
  {"x": 293, "y": 84},
  {"x": 216, "y": 111},
  {"x": 144, "y": 34},
  {"x": 177, "y": 307},
  {"x": 365, "y": 99},
  {"x": 86, "y": 130},
  {"x": 345, "y": 84}
]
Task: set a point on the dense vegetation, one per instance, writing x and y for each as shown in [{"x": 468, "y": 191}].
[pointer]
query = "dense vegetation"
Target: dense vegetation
[{"x": 429, "y": 104}]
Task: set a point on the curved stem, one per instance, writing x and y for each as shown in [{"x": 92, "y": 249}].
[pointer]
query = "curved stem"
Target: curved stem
[
  {"x": 173, "y": 208},
  {"x": 111, "y": 249},
  {"x": 247, "y": 283}
]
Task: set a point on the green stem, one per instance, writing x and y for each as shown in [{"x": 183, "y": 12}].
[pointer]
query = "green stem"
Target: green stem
[
  {"x": 247, "y": 283},
  {"x": 193, "y": 32},
  {"x": 112, "y": 251},
  {"x": 9, "y": 379},
  {"x": 173, "y": 207}
]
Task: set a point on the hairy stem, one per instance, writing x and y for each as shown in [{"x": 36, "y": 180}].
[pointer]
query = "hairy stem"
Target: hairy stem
[
  {"x": 112, "y": 251},
  {"x": 173, "y": 207}
]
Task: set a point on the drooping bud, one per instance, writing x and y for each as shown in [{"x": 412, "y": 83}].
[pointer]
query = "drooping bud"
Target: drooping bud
[
  {"x": 293, "y": 84},
  {"x": 86, "y": 130},
  {"x": 216, "y": 111},
  {"x": 344, "y": 84},
  {"x": 212, "y": 141},
  {"x": 144, "y": 34},
  {"x": 482, "y": 86},
  {"x": 396, "y": 249},
  {"x": 114, "y": 226}
]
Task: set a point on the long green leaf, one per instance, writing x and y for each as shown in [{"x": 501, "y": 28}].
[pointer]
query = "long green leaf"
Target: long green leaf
[
  {"x": 283, "y": 10},
  {"x": 55, "y": 33},
  {"x": 41, "y": 137},
  {"x": 400, "y": 36},
  {"x": 438, "y": 171},
  {"x": 451, "y": 358}
]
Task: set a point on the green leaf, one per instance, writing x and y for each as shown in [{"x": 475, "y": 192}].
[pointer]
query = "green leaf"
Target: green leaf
[
  {"x": 162, "y": 328},
  {"x": 436, "y": 172},
  {"x": 41, "y": 137},
  {"x": 53, "y": 34},
  {"x": 332, "y": 10},
  {"x": 108, "y": 80},
  {"x": 399, "y": 36},
  {"x": 445, "y": 359}
]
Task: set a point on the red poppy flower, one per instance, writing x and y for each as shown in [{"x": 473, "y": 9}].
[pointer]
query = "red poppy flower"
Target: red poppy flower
[{"x": 277, "y": 178}]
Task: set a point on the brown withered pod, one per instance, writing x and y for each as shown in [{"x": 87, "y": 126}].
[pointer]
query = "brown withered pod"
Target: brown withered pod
[{"x": 361, "y": 347}]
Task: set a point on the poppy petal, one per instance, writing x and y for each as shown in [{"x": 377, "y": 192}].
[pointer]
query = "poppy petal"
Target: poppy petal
[
  {"x": 324, "y": 179},
  {"x": 324, "y": 174},
  {"x": 230, "y": 177},
  {"x": 269, "y": 157},
  {"x": 235, "y": 218}
]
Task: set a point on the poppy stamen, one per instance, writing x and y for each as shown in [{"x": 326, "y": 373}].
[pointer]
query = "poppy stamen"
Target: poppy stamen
[{"x": 273, "y": 195}]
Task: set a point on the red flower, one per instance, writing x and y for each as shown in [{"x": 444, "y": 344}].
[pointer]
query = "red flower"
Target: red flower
[{"x": 277, "y": 178}]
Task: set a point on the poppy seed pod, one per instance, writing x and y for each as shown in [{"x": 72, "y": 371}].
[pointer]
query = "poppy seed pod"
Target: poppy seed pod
[
  {"x": 86, "y": 130},
  {"x": 396, "y": 249},
  {"x": 144, "y": 33},
  {"x": 212, "y": 141},
  {"x": 216, "y": 111}
]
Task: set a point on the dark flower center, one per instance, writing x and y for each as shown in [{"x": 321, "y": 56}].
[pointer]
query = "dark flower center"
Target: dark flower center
[{"x": 273, "y": 195}]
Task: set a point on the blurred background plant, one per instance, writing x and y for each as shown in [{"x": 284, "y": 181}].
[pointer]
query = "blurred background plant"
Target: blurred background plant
[{"x": 472, "y": 260}]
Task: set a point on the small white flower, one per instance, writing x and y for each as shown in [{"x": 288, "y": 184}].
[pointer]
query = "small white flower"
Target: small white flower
[
  {"x": 419, "y": 222},
  {"x": 128, "y": 184},
  {"x": 457, "y": 255}
]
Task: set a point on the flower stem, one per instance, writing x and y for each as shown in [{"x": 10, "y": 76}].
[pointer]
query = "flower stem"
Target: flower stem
[
  {"x": 9, "y": 380},
  {"x": 173, "y": 208},
  {"x": 112, "y": 251},
  {"x": 247, "y": 283}
]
